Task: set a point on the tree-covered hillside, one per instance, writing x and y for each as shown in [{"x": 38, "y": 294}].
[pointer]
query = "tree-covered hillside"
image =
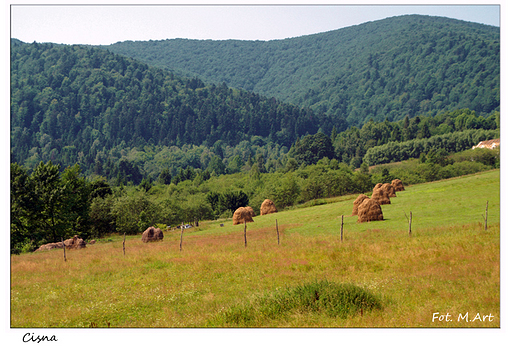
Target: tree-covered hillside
[
  {"x": 407, "y": 65},
  {"x": 74, "y": 104}
]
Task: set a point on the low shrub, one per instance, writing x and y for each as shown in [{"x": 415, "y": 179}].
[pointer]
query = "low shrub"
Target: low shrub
[
  {"x": 462, "y": 168},
  {"x": 485, "y": 156}
]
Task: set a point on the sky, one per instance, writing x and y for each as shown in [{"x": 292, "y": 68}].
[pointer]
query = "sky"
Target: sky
[{"x": 106, "y": 24}]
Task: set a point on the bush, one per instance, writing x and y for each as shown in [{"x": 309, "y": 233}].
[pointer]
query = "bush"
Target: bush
[
  {"x": 429, "y": 171},
  {"x": 409, "y": 177},
  {"x": 381, "y": 176},
  {"x": 196, "y": 208},
  {"x": 485, "y": 156},
  {"x": 230, "y": 200},
  {"x": 286, "y": 193},
  {"x": 102, "y": 220},
  {"x": 361, "y": 182},
  {"x": 170, "y": 213},
  {"x": 312, "y": 148},
  {"x": 312, "y": 188},
  {"x": 24, "y": 247},
  {"x": 338, "y": 183},
  {"x": 133, "y": 213},
  {"x": 461, "y": 168}
]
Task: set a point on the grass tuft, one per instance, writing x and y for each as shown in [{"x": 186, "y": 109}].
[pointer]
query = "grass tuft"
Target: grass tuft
[{"x": 319, "y": 297}]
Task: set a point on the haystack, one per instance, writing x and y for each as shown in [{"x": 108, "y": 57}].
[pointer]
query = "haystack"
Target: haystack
[
  {"x": 369, "y": 210},
  {"x": 72, "y": 243},
  {"x": 398, "y": 185},
  {"x": 75, "y": 243},
  {"x": 357, "y": 202},
  {"x": 242, "y": 215},
  {"x": 251, "y": 211},
  {"x": 152, "y": 234},
  {"x": 378, "y": 186},
  {"x": 267, "y": 207},
  {"x": 389, "y": 189},
  {"x": 380, "y": 196},
  {"x": 50, "y": 246}
]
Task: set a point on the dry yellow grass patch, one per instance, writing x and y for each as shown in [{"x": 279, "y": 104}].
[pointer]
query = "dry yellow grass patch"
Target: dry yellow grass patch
[{"x": 158, "y": 285}]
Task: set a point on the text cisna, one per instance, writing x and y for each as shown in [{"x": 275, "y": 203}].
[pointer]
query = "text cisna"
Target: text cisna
[{"x": 28, "y": 337}]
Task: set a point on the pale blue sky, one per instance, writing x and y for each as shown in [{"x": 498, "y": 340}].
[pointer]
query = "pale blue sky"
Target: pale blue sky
[{"x": 75, "y": 24}]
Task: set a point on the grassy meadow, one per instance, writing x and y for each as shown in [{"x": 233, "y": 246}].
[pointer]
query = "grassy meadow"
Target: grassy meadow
[{"x": 450, "y": 264}]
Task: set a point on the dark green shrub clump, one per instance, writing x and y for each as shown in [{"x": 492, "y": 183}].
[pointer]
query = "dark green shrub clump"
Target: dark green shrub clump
[{"x": 323, "y": 297}]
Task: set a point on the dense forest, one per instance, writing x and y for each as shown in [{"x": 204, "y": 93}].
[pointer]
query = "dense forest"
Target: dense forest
[
  {"x": 390, "y": 68},
  {"x": 74, "y": 104}
]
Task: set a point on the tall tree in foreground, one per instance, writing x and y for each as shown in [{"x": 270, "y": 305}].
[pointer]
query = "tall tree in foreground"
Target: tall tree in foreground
[
  {"x": 47, "y": 205},
  {"x": 49, "y": 194},
  {"x": 24, "y": 207}
]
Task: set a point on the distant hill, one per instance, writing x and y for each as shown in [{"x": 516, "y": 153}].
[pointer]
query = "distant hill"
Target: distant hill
[
  {"x": 406, "y": 65},
  {"x": 77, "y": 104}
]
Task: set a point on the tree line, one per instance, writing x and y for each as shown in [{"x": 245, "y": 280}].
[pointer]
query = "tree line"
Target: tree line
[
  {"x": 50, "y": 203},
  {"x": 450, "y": 142},
  {"x": 354, "y": 144}
]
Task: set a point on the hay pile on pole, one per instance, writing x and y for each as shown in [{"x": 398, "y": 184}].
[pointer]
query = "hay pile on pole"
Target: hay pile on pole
[
  {"x": 251, "y": 211},
  {"x": 369, "y": 210},
  {"x": 152, "y": 234},
  {"x": 75, "y": 243},
  {"x": 389, "y": 189},
  {"x": 398, "y": 185},
  {"x": 380, "y": 196},
  {"x": 267, "y": 207},
  {"x": 357, "y": 202},
  {"x": 242, "y": 215}
]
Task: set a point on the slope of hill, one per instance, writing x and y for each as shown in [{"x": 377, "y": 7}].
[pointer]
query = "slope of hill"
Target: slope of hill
[{"x": 399, "y": 66}]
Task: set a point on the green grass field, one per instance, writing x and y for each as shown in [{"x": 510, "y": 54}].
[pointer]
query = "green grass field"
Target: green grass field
[{"x": 450, "y": 264}]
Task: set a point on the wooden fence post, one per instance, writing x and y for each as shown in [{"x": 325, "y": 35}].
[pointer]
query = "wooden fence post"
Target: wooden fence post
[
  {"x": 64, "y": 256},
  {"x": 182, "y": 233},
  {"x": 277, "y": 233},
  {"x": 124, "y": 239},
  {"x": 410, "y": 225},
  {"x": 245, "y": 236},
  {"x": 341, "y": 227},
  {"x": 486, "y": 217}
]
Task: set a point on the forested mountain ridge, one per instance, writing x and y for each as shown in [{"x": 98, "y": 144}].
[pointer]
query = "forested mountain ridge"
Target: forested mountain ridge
[
  {"x": 407, "y": 65},
  {"x": 77, "y": 104}
]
